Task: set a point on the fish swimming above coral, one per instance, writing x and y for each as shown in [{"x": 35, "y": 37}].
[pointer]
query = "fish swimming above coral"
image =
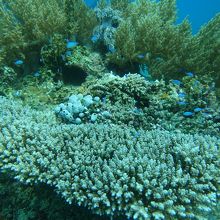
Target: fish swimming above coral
[{"x": 109, "y": 110}]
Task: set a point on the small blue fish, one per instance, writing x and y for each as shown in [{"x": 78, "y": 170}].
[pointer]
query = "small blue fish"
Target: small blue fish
[
  {"x": 19, "y": 62},
  {"x": 196, "y": 83},
  {"x": 136, "y": 135},
  {"x": 104, "y": 100},
  {"x": 187, "y": 114},
  {"x": 94, "y": 38},
  {"x": 182, "y": 70},
  {"x": 182, "y": 103},
  {"x": 190, "y": 74},
  {"x": 141, "y": 56},
  {"x": 68, "y": 53},
  {"x": 176, "y": 82},
  {"x": 159, "y": 59},
  {"x": 63, "y": 57},
  {"x": 207, "y": 115},
  {"x": 111, "y": 48},
  {"x": 198, "y": 109},
  {"x": 137, "y": 111},
  {"x": 71, "y": 44},
  {"x": 17, "y": 93},
  {"x": 36, "y": 74},
  {"x": 182, "y": 95}
]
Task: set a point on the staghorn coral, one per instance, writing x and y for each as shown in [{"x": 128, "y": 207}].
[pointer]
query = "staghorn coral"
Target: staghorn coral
[
  {"x": 112, "y": 169},
  {"x": 150, "y": 104}
]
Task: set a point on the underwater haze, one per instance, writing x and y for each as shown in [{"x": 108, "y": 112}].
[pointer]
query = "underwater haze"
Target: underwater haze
[
  {"x": 199, "y": 11},
  {"x": 109, "y": 110}
]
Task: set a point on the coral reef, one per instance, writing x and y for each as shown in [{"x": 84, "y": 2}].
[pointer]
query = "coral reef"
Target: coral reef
[
  {"x": 89, "y": 61},
  {"x": 109, "y": 169},
  {"x": 8, "y": 76},
  {"x": 28, "y": 25},
  {"x": 205, "y": 58},
  {"x": 148, "y": 29},
  {"x": 148, "y": 34},
  {"x": 51, "y": 53},
  {"x": 114, "y": 108},
  {"x": 24, "y": 202},
  {"x": 150, "y": 104},
  {"x": 109, "y": 20},
  {"x": 81, "y": 109},
  {"x": 81, "y": 19}
]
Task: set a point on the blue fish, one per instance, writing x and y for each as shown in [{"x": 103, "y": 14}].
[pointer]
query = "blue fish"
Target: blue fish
[
  {"x": 207, "y": 115},
  {"x": 17, "y": 93},
  {"x": 137, "y": 111},
  {"x": 182, "y": 95},
  {"x": 196, "y": 83},
  {"x": 176, "y": 82},
  {"x": 136, "y": 135},
  {"x": 71, "y": 44},
  {"x": 104, "y": 100},
  {"x": 63, "y": 57},
  {"x": 91, "y": 3},
  {"x": 182, "y": 103},
  {"x": 36, "y": 74},
  {"x": 94, "y": 38},
  {"x": 198, "y": 109},
  {"x": 68, "y": 53},
  {"x": 159, "y": 59},
  {"x": 187, "y": 114},
  {"x": 182, "y": 70},
  {"x": 141, "y": 56},
  {"x": 19, "y": 62},
  {"x": 111, "y": 48},
  {"x": 190, "y": 74}
]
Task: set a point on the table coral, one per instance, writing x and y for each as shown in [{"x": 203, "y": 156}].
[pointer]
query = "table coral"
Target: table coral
[{"x": 109, "y": 169}]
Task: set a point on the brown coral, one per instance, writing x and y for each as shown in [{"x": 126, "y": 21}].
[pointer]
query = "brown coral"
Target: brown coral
[
  {"x": 26, "y": 25},
  {"x": 148, "y": 30}
]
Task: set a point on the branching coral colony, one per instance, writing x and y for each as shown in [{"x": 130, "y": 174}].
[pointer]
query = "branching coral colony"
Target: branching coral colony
[{"x": 138, "y": 146}]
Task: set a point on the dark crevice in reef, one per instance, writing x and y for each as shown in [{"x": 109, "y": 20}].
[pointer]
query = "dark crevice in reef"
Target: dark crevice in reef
[
  {"x": 74, "y": 75},
  {"x": 19, "y": 201}
]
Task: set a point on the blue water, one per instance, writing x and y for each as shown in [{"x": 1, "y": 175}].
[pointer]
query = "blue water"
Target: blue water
[{"x": 199, "y": 12}]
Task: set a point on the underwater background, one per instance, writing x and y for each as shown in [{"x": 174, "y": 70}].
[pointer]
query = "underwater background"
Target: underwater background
[{"x": 109, "y": 109}]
